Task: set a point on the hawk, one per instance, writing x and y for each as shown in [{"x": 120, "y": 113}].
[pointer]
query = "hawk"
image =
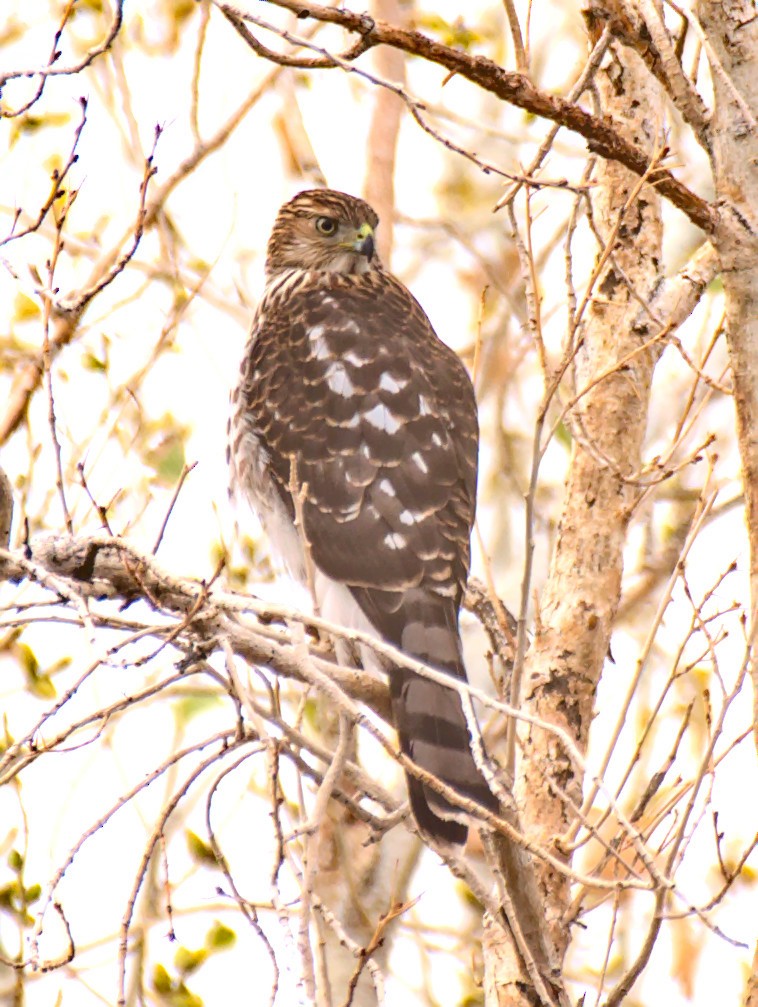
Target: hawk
[{"x": 346, "y": 392}]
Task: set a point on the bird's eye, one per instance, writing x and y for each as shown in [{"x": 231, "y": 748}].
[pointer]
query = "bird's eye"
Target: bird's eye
[{"x": 326, "y": 225}]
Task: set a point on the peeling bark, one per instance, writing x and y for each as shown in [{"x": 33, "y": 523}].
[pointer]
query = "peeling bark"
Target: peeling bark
[
  {"x": 608, "y": 424},
  {"x": 731, "y": 30},
  {"x": 732, "y": 33},
  {"x": 503, "y": 985},
  {"x": 751, "y": 996}
]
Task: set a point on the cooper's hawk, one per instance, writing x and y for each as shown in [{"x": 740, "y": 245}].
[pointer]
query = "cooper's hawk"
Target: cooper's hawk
[{"x": 345, "y": 384}]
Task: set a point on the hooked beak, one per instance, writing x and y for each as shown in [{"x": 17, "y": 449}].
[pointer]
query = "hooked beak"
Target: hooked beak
[{"x": 364, "y": 241}]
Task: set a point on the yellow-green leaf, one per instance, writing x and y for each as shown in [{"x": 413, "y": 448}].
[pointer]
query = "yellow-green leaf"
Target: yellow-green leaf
[
  {"x": 11, "y": 32},
  {"x": 93, "y": 363},
  {"x": 184, "y": 9},
  {"x": 199, "y": 850},
  {"x": 563, "y": 435},
  {"x": 24, "y": 308},
  {"x": 161, "y": 980},
  {"x": 166, "y": 454},
  {"x": 220, "y": 936},
  {"x": 188, "y": 961},
  {"x": 192, "y": 706},
  {"x": 32, "y": 893},
  {"x": 42, "y": 687},
  {"x": 27, "y": 659},
  {"x": 182, "y": 997}
]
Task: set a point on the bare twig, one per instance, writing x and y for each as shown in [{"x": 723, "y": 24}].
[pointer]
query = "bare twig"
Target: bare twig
[
  {"x": 593, "y": 62},
  {"x": 57, "y": 178},
  {"x": 603, "y": 136},
  {"x": 102, "y": 563},
  {"x": 67, "y": 313},
  {"x": 6, "y": 510},
  {"x": 52, "y": 71},
  {"x": 522, "y": 63},
  {"x": 186, "y": 469},
  {"x": 325, "y": 62}
]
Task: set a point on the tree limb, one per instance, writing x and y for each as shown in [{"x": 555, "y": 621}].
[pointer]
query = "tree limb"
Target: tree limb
[
  {"x": 732, "y": 34},
  {"x": 605, "y": 136}
]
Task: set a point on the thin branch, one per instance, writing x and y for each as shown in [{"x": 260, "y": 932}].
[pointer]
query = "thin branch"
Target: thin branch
[
  {"x": 591, "y": 67},
  {"x": 603, "y": 135},
  {"x": 6, "y": 510},
  {"x": 167, "y": 811},
  {"x": 325, "y": 62},
  {"x": 704, "y": 506},
  {"x": 57, "y": 178},
  {"x": 68, "y": 312},
  {"x": 414, "y": 106},
  {"x": 27, "y": 382},
  {"x": 377, "y": 939},
  {"x": 186, "y": 469},
  {"x": 683, "y": 93},
  {"x": 97, "y": 563},
  {"x": 522, "y": 63},
  {"x": 52, "y": 71}
]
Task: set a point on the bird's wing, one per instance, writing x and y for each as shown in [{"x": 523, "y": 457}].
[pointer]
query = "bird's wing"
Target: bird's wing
[{"x": 364, "y": 412}]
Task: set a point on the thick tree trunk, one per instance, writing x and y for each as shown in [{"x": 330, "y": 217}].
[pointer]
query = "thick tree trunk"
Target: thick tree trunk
[
  {"x": 731, "y": 30},
  {"x": 613, "y": 377},
  {"x": 732, "y": 33},
  {"x": 360, "y": 881}
]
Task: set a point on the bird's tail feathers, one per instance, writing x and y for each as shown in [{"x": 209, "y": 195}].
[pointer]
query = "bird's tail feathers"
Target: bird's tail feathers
[
  {"x": 433, "y": 732},
  {"x": 433, "y": 729}
]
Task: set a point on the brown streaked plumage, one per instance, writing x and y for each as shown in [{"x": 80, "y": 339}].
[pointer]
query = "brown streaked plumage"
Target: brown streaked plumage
[{"x": 345, "y": 383}]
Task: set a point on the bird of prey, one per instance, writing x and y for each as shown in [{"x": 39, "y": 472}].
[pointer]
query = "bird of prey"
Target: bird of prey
[{"x": 345, "y": 387}]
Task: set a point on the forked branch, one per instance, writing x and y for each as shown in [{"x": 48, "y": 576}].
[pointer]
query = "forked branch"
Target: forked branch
[{"x": 604, "y": 136}]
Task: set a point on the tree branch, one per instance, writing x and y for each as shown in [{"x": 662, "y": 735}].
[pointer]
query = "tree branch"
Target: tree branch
[
  {"x": 57, "y": 71},
  {"x": 109, "y": 568},
  {"x": 604, "y": 136},
  {"x": 608, "y": 422},
  {"x": 731, "y": 32}
]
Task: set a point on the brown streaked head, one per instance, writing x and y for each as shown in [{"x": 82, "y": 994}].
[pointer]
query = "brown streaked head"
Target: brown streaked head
[{"x": 323, "y": 229}]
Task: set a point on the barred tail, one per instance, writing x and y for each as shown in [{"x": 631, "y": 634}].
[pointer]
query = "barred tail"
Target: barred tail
[
  {"x": 432, "y": 726},
  {"x": 430, "y": 722}
]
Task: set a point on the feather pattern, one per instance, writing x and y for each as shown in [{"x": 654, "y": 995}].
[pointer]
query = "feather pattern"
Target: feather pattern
[{"x": 345, "y": 387}]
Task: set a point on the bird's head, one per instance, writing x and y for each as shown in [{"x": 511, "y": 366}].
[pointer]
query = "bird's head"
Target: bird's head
[{"x": 323, "y": 229}]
